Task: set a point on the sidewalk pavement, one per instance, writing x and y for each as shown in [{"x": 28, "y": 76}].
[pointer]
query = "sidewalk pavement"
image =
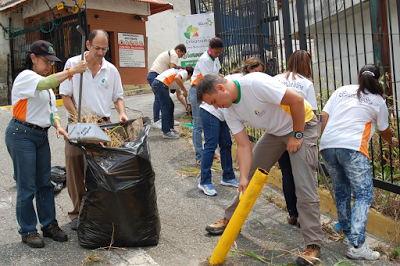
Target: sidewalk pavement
[{"x": 184, "y": 212}]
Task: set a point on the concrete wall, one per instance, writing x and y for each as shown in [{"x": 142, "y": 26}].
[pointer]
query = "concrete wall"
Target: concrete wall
[
  {"x": 342, "y": 46},
  {"x": 115, "y": 23},
  {"x": 115, "y": 16},
  {"x": 35, "y": 7},
  {"x": 161, "y": 28},
  {"x": 338, "y": 57},
  {"x": 5, "y": 66}
]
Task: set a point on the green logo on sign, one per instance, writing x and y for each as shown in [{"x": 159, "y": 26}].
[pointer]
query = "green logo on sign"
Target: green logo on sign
[{"x": 191, "y": 32}]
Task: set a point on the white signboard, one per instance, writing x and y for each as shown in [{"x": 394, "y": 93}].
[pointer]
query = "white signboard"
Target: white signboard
[
  {"x": 131, "y": 50},
  {"x": 195, "y": 32}
]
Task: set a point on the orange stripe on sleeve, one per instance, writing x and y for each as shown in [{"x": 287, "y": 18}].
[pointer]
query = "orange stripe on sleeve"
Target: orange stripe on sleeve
[
  {"x": 19, "y": 109},
  {"x": 365, "y": 139},
  {"x": 196, "y": 81},
  {"x": 169, "y": 80}
]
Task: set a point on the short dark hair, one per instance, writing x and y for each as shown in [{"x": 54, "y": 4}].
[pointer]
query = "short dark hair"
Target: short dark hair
[
  {"x": 181, "y": 47},
  {"x": 207, "y": 85},
  {"x": 94, "y": 33},
  {"x": 216, "y": 43}
]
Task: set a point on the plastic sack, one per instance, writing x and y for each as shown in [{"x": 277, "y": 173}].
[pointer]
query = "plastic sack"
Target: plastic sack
[
  {"x": 58, "y": 178},
  {"x": 120, "y": 204}
]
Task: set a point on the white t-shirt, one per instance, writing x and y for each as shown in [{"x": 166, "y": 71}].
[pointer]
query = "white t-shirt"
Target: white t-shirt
[
  {"x": 29, "y": 104},
  {"x": 235, "y": 76},
  {"x": 351, "y": 122},
  {"x": 168, "y": 76},
  {"x": 259, "y": 106},
  {"x": 99, "y": 92},
  {"x": 218, "y": 113},
  {"x": 301, "y": 85},
  {"x": 164, "y": 61},
  {"x": 205, "y": 65}
]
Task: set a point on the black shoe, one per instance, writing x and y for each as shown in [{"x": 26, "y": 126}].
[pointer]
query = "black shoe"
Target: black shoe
[
  {"x": 33, "y": 240},
  {"x": 74, "y": 224},
  {"x": 54, "y": 231}
]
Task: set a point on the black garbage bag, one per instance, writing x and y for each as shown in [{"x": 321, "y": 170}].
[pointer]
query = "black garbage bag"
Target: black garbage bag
[
  {"x": 58, "y": 178},
  {"x": 120, "y": 205}
]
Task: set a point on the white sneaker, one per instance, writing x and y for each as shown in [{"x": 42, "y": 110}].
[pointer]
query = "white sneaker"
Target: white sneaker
[
  {"x": 170, "y": 135},
  {"x": 176, "y": 123},
  {"x": 362, "y": 253},
  {"x": 174, "y": 130},
  {"x": 157, "y": 124},
  {"x": 346, "y": 241},
  {"x": 208, "y": 189}
]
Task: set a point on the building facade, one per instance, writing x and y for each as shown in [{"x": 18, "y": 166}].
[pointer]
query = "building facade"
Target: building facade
[{"x": 24, "y": 21}]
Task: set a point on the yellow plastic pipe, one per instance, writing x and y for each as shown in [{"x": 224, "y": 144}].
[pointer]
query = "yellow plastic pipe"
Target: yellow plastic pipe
[{"x": 239, "y": 216}]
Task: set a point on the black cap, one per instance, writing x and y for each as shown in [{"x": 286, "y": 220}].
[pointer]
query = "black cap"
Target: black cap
[{"x": 44, "y": 49}]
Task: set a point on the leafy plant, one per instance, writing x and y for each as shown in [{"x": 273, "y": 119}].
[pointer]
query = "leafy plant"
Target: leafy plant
[{"x": 250, "y": 254}]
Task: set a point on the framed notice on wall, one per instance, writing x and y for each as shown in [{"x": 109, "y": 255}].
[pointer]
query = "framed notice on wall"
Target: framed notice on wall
[{"x": 131, "y": 50}]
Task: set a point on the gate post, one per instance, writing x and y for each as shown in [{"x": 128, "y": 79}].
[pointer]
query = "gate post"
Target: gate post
[
  {"x": 301, "y": 21},
  {"x": 11, "y": 51},
  {"x": 193, "y": 8},
  {"x": 218, "y": 19},
  {"x": 286, "y": 29}
]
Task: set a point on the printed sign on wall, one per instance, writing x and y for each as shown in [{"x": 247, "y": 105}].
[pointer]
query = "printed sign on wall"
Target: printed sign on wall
[
  {"x": 131, "y": 50},
  {"x": 195, "y": 32}
]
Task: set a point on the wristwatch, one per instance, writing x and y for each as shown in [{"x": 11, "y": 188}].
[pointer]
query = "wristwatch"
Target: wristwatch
[{"x": 298, "y": 134}]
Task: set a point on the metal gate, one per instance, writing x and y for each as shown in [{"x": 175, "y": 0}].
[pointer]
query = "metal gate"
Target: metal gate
[
  {"x": 60, "y": 32},
  {"x": 341, "y": 35}
]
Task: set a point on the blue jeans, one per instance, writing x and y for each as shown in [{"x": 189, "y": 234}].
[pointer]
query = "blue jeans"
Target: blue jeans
[
  {"x": 350, "y": 172},
  {"x": 197, "y": 125},
  {"x": 30, "y": 152},
  {"x": 216, "y": 133},
  {"x": 156, "y": 105},
  {"x": 289, "y": 189},
  {"x": 167, "y": 105}
]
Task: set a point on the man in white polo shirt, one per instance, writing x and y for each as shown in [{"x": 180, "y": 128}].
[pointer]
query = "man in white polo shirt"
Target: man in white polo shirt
[
  {"x": 101, "y": 87},
  {"x": 163, "y": 62},
  {"x": 259, "y": 101}
]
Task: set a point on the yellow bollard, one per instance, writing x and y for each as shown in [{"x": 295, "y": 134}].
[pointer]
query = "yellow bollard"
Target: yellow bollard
[{"x": 239, "y": 216}]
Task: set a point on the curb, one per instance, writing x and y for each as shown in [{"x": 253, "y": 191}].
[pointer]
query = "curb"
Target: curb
[
  {"x": 378, "y": 224},
  {"x": 138, "y": 91}
]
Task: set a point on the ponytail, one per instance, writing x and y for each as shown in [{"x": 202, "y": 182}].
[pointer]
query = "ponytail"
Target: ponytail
[
  {"x": 189, "y": 70},
  {"x": 368, "y": 79},
  {"x": 28, "y": 61}
]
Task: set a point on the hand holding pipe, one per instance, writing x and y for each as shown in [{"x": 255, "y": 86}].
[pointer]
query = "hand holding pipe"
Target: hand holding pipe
[{"x": 82, "y": 32}]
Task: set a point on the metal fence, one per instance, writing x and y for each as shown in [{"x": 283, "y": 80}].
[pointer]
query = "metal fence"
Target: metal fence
[
  {"x": 59, "y": 31},
  {"x": 341, "y": 35}
]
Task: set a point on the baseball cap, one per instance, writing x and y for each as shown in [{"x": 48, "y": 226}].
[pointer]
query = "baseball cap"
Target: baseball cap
[{"x": 44, "y": 49}]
